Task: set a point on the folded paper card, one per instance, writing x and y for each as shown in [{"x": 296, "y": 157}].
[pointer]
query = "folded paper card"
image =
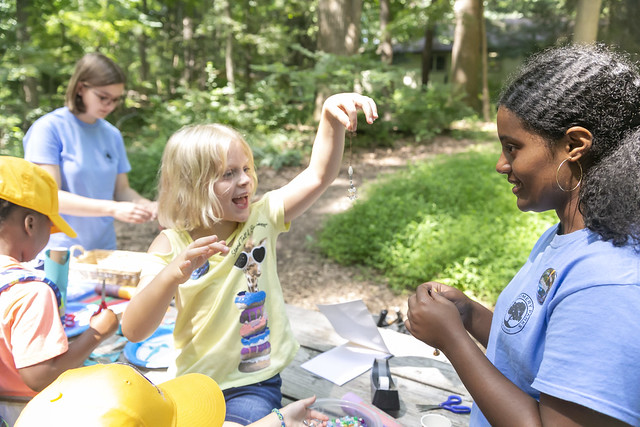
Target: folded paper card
[{"x": 353, "y": 322}]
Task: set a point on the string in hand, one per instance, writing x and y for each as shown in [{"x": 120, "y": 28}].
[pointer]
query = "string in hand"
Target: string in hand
[
  {"x": 352, "y": 191},
  {"x": 436, "y": 352}
]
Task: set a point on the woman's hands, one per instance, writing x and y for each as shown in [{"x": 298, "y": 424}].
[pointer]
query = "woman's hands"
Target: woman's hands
[
  {"x": 436, "y": 313},
  {"x": 135, "y": 213}
]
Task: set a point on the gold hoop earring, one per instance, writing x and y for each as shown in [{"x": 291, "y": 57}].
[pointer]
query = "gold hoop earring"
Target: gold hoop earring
[{"x": 558, "y": 172}]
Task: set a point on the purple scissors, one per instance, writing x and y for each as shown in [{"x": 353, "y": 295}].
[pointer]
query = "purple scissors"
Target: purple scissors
[{"x": 453, "y": 404}]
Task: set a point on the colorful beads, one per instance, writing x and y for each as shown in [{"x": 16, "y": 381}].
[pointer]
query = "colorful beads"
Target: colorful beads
[
  {"x": 279, "y": 415},
  {"x": 347, "y": 421}
]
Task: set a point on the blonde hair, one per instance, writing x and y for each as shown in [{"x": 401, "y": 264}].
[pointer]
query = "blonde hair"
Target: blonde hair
[
  {"x": 194, "y": 158},
  {"x": 93, "y": 69}
]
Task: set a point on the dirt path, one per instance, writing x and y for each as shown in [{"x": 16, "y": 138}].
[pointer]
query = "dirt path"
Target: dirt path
[{"x": 308, "y": 278}]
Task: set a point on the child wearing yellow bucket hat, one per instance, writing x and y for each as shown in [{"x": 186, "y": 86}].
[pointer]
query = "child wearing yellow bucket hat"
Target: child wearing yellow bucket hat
[
  {"x": 117, "y": 395},
  {"x": 33, "y": 346}
]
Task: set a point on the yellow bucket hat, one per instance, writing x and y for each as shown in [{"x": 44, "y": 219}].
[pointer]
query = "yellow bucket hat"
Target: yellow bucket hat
[
  {"x": 117, "y": 395},
  {"x": 28, "y": 185}
]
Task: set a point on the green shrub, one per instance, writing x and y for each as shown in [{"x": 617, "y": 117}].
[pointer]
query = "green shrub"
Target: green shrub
[
  {"x": 451, "y": 219},
  {"x": 426, "y": 112}
]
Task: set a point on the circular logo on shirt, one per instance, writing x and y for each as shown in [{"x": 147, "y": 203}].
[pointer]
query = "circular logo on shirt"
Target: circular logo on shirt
[
  {"x": 518, "y": 314},
  {"x": 545, "y": 283}
]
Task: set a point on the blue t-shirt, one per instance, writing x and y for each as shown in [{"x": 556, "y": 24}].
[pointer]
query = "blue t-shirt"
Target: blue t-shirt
[
  {"x": 90, "y": 157},
  {"x": 568, "y": 326}
]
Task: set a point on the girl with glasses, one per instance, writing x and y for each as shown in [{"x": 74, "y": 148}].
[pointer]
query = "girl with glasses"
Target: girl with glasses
[{"x": 86, "y": 156}]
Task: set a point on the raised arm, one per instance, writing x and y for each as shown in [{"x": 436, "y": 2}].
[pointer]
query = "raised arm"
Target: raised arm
[{"x": 339, "y": 112}]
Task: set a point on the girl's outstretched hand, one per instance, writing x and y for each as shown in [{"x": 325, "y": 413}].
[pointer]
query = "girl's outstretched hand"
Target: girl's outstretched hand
[
  {"x": 344, "y": 108},
  {"x": 296, "y": 413},
  {"x": 196, "y": 254},
  {"x": 433, "y": 316}
]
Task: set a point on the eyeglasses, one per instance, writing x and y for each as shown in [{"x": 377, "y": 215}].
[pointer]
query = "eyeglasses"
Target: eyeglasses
[{"x": 105, "y": 99}]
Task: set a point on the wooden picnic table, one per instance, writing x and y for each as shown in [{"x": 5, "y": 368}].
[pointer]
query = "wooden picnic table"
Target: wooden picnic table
[{"x": 420, "y": 376}]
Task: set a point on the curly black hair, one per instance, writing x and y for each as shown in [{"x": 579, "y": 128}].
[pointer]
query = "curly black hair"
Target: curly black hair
[
  {"x": 610, "y": 194},
  {"x": 597, "y": 88}
]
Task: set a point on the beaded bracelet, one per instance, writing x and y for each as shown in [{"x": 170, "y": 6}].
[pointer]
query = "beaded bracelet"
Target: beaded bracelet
[{"x": 280, "y": 417}]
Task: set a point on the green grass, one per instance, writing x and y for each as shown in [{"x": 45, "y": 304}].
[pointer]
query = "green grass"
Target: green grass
[{"x": 452, "y": 219}]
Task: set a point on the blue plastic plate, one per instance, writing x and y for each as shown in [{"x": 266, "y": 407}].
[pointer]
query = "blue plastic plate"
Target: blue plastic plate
[{"x": 156, "y": 352}]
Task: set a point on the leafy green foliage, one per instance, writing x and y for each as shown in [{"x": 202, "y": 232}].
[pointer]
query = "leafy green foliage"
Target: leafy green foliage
[
  {"x": 277, "y": 122},
  {"x": 451, "y": 219},
  {"x": 426, "y": 113}
]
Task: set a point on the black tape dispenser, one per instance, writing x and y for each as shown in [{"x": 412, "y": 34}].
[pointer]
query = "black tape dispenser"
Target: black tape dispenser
[{"x": 384, "y": 393}]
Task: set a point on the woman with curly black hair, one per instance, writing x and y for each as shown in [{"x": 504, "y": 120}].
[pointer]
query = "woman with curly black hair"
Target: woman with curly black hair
[{"x": 562, "y": 342}]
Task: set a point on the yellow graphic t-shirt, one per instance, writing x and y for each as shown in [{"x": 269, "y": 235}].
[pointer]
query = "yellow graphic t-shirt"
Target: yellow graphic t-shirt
[{"x": 231, "y": 323}]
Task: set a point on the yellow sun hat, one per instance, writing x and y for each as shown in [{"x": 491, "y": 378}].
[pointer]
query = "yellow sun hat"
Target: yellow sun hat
[
  {"x": 28, "y": 185},
  {"x": 117, "y": 395}
]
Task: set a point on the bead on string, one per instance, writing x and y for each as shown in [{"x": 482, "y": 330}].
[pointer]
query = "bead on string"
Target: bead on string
[{"x": 352, "y": 191}]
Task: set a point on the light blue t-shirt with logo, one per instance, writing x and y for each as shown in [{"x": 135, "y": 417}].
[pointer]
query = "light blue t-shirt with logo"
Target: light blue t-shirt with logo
[
  {"x": 568, "y": 325},
  {"x": 90, "y": 157}
]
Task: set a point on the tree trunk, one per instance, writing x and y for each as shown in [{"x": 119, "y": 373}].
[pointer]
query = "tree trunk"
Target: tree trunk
[
  {"x": 385, "y": 49},
  {"x": 228, "y": 52},
  {"x": 202, "y": 48},
  {"x": 339, "y": 26},
  {"x": 486, "y": 112},
  {"x": 30, "y": 85},
  {"x": 338, "y": 33},
  {"x": 621, "y": 28},
  {"x": 187, "y": 49},
  {"x": 142, "y": 48},
  {"x": 587, "y": 16},
  {"x": 427, "y": 52},
  {"x": 465, "y": 55},
  {"x": 175, "y": 36}
]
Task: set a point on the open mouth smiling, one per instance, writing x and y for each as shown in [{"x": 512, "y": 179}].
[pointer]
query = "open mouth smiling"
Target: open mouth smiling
[{"x": 241, "y": 201}]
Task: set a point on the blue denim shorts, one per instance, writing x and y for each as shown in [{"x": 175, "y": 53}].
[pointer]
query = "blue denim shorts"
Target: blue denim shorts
[{"x": 248, "y": 404}]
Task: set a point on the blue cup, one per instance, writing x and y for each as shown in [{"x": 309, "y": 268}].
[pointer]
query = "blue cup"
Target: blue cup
[{"x": 56, "y": 269}]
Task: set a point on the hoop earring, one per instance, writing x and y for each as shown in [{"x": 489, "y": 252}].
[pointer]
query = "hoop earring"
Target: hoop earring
[{"x": 558, "y": 172}]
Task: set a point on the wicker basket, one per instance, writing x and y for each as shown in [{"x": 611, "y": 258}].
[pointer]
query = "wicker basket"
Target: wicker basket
[{"x": 114, "y": 267}]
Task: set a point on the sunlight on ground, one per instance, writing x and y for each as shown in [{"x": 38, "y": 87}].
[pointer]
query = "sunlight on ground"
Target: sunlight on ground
[{"x": 338, "y": 204}]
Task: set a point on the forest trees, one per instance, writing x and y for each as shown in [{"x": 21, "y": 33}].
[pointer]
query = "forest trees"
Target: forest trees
[
  {"x": 465, "y": 55},
  {"x": 587, "y": 17},
  {"x": 261, "y": 64},
  {"x": 338, "y": 34}
]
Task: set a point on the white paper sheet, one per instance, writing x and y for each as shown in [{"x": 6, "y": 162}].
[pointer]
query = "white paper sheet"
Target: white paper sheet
[{"x": 353, "y": 322}]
